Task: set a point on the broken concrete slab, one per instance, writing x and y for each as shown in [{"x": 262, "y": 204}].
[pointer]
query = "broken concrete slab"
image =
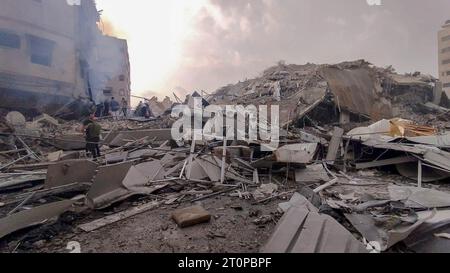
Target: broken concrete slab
[
  {"x": 424, "y": 239},
  {"x": 334, "y": 145},
  {"x": 419, "y": 198},
  {"x": 191, "y": 216},
  {"x": 134, "y": 179},
  {"x": 233, "y": 152},
  {"x": 116, "y": 157},
  {"x": 45, "y": 120},
  {"x": 107, "y": 186},
  {"x": 195, "y": 171},
  {"x": 44, "y": 193},
  {"x": 411, "y": 171},
  {"x": 69, "y": 172},
  {"x": 298, "y": 201},
  {"x": 440, "y": 141},
  {"x": 438, "y": 158},
  {"x": 311, "y": 174},
  {"x": 357, "y": 91},
  {"x": 110, "y": 219},
  {"x": 168, "y": 160},
  {"x": 310, "y": 138},
  {"x": 175, "y": 170},
  {"x": 372, "y": 229},
  {"x": 152, "y": 170},
  {"x": 55, "y": 156},
  {"x": 32, "y": 217},
  {"x": 124, "y": 137},
  {"x": 302, "y": 231},
  {"x": 371, "y": 204},
  {"x": 386, "y": 162},
  {"x": 18, "y": 181},
  {"x": 70, "y": 142},
  {"x": 142, "y": 153},
  {"x": 210, "y": 167},
  {"x": 296, "y": 153}
]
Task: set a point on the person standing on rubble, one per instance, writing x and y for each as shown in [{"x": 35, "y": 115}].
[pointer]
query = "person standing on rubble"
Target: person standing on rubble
[
  {"x": 138, "y": 110},
  {"x": 115, "y": 108},
  {"x": 100, "y": 110},
  {"x": 106, "y": 108},
  {"x": 92, "y": 130},
  {"x": 124, "y": 108}
]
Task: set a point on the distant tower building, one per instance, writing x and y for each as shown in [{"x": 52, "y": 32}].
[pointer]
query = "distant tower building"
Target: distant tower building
[{"x": 444, "y": 58}]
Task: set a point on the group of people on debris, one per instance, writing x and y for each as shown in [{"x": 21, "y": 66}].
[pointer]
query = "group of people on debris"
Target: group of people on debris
[
  {"x": 143, "y": 110},
  {"x": 93, "y": 129},
  {"x": 112, "y": 108}
]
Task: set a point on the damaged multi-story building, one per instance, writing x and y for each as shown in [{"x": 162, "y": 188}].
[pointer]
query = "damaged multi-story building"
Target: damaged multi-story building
[
  {"x": 111, "y": 76},
  {"x": 49, "y": 56},
  {"x": 444, "y": 61}
]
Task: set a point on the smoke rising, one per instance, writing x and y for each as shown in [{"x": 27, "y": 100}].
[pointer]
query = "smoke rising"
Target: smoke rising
[{"x": 235, "y": 39}]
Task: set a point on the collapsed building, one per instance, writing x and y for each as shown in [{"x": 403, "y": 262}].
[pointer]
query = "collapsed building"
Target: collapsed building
[
  {"x": 362, "y": 166},
  {"x": 352, "y": 91},
  {"x": 50, "y": 56},
  {"x": 444, "y": 63}
]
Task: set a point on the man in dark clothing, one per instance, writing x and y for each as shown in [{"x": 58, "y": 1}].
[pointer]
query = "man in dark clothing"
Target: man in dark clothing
[
  {"x": 115, "y": 108},
  {"x": 106, "y": 108},
  {"x": 93, "y": 131},
  {"x": 100, "y": 110},
  {"x": 138, "y": 110}
]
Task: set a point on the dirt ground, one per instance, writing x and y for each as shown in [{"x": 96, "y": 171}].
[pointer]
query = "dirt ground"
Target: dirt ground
[{"x": 231, "y": 230}]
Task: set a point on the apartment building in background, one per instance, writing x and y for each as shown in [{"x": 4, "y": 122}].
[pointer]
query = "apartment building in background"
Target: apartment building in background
[
  {"x": 444, "y": 59},
  {"x": 112, "y": 69},
  {"x": 49, "y": 55}
]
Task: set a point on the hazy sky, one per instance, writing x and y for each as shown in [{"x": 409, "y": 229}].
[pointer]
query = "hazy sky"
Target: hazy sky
[{"x": 205, "y": 44}]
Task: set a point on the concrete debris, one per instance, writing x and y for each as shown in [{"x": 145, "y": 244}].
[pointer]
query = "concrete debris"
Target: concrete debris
[
  {"x": 191, "y": 216},
  {"x": 424, "y": 239},
  {"x": 311, "y": 174},
  {"x": 303, "y": 231},
  {"x": 55, "y": 156},
  {"x": 296, "y": 153},
  {"x": 419, "y": 198},
  {"x": 32, "y": 217},
  {"x": 334, "y": 145},
  {"x": 264, "y": 190},
  {"x": 110, "y": 219},
  {"x": 69, "y": 172},
  {"x": 298, "y": 201},
  {"x": 443, "y": 235},
  {"x": 107, "y": 185},
  {"x": 380, "y": 229},
  {"x": 16, "y": 119},
  {"x": 354, "y": 141}
]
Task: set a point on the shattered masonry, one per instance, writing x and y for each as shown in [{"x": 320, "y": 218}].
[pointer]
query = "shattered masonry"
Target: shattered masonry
[{"x": 363, "y": 166}]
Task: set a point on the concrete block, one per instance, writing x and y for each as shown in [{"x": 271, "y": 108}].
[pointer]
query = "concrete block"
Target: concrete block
[{"x": 191, "y": 216}]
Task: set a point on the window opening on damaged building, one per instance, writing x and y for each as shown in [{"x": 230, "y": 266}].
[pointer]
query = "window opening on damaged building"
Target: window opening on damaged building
[
  {"x": 41, "y": 50},
  {"x": 10, "y": 40}
]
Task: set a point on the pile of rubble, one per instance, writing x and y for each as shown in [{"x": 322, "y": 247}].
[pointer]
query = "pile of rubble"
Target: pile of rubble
[{"x": 352, "y": 173}]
